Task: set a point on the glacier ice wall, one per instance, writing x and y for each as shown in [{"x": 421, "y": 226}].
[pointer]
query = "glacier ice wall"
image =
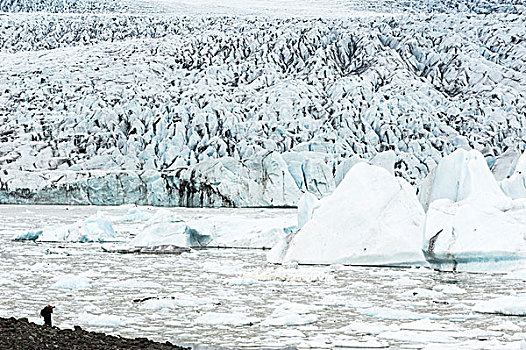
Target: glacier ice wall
[{"x": 105, "y": 107}]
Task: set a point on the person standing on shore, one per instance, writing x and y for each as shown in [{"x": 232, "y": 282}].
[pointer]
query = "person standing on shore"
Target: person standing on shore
[{"x": 46, "y": 313}]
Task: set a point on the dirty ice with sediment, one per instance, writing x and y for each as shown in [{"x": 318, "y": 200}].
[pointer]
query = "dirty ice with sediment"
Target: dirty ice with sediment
[{"x": 359, "y": 160}]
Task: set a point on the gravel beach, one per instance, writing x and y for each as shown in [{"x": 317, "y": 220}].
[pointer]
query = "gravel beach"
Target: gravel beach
[{"x": 19, "y": 334}]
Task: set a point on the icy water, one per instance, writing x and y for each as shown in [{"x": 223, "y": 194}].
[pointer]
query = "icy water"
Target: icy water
[{"x": 233, "y": 298}]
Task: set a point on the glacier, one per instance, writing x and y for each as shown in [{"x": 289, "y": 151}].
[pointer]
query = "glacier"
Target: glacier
[{"x": 215, "y": 104}]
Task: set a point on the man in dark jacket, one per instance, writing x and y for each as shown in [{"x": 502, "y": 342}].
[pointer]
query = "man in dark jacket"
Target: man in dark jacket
[{"x": 46, "y": 313}]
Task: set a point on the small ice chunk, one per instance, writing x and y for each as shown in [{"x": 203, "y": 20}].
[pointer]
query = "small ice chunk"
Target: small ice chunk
[
  {"x": 359, "y": 327},
  {"x": 100, "y": 320},
  {"x": 133, "y": 283},
  {"x": 426, "y": 325},
  {"x": 94, "y": 229},
  {"x": 363, "y": 343},
  {"x": 449, "y": 289},
  {"x": 287, "y": 333},
  {"x": 289, "y": 315},
  {"x": 419, "y": 337},
  {"x": 234, "y": 319},
  {"x": 421, "y": 293},
  {"x": 514, "y": 305},
  {"x": 157, "y": 304},
  {"x": 394, "y": 314},
  {"x": 506, "y": 326},
  {"x": 72, "y": 282}
]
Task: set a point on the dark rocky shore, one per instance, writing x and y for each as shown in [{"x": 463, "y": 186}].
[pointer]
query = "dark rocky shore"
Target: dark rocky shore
[{"x": 20, "y": 334}]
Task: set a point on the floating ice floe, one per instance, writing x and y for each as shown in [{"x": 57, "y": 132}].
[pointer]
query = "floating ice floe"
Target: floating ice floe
[
  {"x": 72, "y": 282},
  {"x": 101, "y": 320},
  {"x": 95, "y": 229},
  {"x": 363, "y": 343},
  {"x": 470, "y": 223},
  {"x": 395, "y": 314},
  {"x": 283, "y": 316},
  {"x": 360, "y": 327},
  {"x": 242, "y": 231},
  {"x": 158, "y": 304},
  {"x": 283, "y": 274},
  {"x": 135, "y": 214},
  {"x": 512, "y": 305},
  {"x": 135, "y": 284},
  {"x": 233, "y": 319},
  {"x": 419, "y": 337},
  {"x": 372, "y": 218},
  {"x": 230, "y": 230},
  {"x": 427, "y": 325},
  {"x": 173, "y": 301},
  {"x": 166, "y": 229},
  {"x": 519, "y": 274}
]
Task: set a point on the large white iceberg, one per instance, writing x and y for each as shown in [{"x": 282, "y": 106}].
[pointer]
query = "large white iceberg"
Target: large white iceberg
[
  {"x": 94, "y": 229},
  {"x": 471, "y": 224},
  {"x": 372, "y": 218}
]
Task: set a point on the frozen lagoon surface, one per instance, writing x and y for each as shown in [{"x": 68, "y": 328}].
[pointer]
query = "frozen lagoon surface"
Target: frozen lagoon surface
[{"x": 234, "y": 298}]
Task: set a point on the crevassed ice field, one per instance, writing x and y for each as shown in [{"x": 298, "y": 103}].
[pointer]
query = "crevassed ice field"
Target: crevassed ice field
[{"x": 406, "y": 118}]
